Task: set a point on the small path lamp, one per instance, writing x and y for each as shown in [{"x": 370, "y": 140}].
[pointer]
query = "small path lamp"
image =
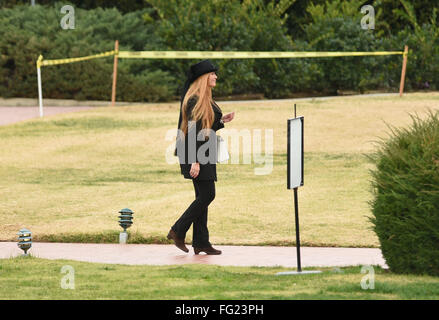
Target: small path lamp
[
  {"x": 24, "y": 240},
  {"x": 125, "y": 221}
]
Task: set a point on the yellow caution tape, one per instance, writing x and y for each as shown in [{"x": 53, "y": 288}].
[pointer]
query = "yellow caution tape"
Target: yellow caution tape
[
  {"x": 40, "y": 59},
  {"x": 41, "y": 62},
  {"x": 244, "y": 54},
  {"x": 215, "y": 55}
]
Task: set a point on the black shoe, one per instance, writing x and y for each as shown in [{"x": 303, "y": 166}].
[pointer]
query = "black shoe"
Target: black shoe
[
  {"x": 178, "y": 242},
  {"x": 208, "y": 250}
]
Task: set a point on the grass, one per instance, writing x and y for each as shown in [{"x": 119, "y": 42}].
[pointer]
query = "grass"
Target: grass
[
  {"x": 65, "y": 177},
  {"x": 35, "y": 278}
]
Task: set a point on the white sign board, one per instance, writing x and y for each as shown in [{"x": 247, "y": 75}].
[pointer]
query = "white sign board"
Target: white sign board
[{"x": 295, "y": 153}]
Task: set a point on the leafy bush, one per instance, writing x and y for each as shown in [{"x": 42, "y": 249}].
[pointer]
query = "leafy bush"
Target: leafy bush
[
  {"x": 336, "y": 27},
  {"x": 36, "y": 30},
  {"x": 226, "y": 26},
  {"x": 212, "y": 25},
  {"x": 405, "y": 206},
  {"x": 389, "y": 20},
  {"x": 423, "y": 42}
]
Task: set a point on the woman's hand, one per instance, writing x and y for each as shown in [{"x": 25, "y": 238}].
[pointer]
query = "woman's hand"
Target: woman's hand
[
  {"x": 228, "y": 117},
  {"x": 195, "y": 170}
]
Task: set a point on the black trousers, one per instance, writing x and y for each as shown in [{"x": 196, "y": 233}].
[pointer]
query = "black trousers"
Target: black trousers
[{"x": 196, "y": 214}]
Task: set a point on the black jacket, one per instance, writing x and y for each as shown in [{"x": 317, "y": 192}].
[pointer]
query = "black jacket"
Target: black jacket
[{"x": 208, "y": 170}]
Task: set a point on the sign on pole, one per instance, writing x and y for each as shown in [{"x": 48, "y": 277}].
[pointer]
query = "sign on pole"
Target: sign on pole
[
  {"x": 295, "y": 153},
  {"x": 295, "y": 176}
]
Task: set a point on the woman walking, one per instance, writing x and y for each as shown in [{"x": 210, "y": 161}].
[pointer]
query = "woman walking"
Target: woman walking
[{"x": 200, "y": 117}]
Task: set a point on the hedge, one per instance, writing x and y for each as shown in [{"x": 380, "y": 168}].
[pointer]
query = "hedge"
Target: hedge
[
  {"x": 258, "y": 25},
  {"x": 405, "y": 203}
]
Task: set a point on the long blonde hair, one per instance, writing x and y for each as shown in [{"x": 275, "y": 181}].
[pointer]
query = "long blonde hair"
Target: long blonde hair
[{"x": 203, "y": 107}]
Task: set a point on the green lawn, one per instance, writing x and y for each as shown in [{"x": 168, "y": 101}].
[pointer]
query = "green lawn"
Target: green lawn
[
  {"x": 34, "y": 278},
  {"x": 65, "y": 177}
]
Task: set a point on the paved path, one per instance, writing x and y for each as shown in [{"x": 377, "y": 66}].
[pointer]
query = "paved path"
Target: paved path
[
  {"x": 10, "y": 115},
  {"x": 155, "y": 254}
]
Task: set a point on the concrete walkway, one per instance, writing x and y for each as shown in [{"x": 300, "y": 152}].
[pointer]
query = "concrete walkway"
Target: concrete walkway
[
  {"x": 10, "y": 115},
  {"x": 155, "y": 254}
]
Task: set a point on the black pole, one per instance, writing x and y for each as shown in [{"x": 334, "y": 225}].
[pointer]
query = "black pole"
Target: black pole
[
  {"x": 295, "y": 111},
  {"x": 296, "y": 209}
]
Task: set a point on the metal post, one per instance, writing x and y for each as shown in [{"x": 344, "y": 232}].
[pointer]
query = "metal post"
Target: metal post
[
  {"x": 40, "y": 90},
  {"x": 296, "y": 209},
  {"x": 404, "y": 65},
  {"x": 299, "y": 265},
  {"x": 116, "y": 54}
]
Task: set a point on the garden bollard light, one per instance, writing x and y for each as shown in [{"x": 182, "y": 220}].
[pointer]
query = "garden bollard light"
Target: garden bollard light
[
  {"x": 125, "y": 221},
  {"x": 24, "y": 240}
]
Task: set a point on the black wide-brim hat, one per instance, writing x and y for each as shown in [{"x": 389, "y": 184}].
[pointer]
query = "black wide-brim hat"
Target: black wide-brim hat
[
  {"x": 195, "y": 71},
  {"x": 199, "y": 69}
]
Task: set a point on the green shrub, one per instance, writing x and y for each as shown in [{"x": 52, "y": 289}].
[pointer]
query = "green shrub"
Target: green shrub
[
  {"x": 29, "y": 31},
  {"x": 405, "y": 206},
  {"x": 212, "y": 25},
  {"x": 423, "y": 42},
  {"x": 336, "y": 26},
  {"x": 202, "y": 25}
]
